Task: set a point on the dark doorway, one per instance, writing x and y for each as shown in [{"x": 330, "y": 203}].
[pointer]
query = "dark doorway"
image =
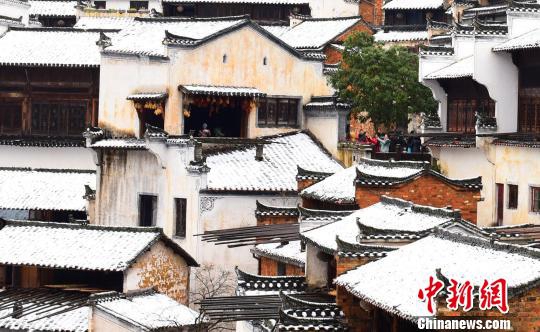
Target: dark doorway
[
  {"x": 223, "y": 116},
  {"x": 150, "y": 117},
  {"x": 500, "y": 203},
  {"x": 147, "y": 210}
]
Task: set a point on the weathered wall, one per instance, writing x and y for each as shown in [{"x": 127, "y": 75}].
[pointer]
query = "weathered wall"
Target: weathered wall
[
  {"x": 316, "y": 267},
  {"x": 41, "y": 157},
  {"x": 161, "y": 268},
  {"x": 269, "y": 267},
  {"x": 326, "y": 129},
  {"x": 344, "y": 264},
  {"x": 425, "y": 190},
  {"x": 101, "y": 321},
  {"x": 230, "y": 211},
  {"x": 330, "y": 8}
]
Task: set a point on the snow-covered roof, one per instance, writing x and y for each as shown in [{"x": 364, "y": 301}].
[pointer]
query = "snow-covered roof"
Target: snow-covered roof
[
  {"x": 392, "y": 283},
  {"x": 288, "y": 253},
  {"x": 152, "y": 32},
  {"x": 52, "y": 8},
  {"x": 147, "y": 95},
  {"x": 238, "y": 170},
  {"x": 149, "y": 310},
  {"x": 38, "y": 189},
  {"x": 338, "y": 188},
  {"x": 221, "y": 91},
  {"x": 44, "y": 310},
  {"x": 413, "y": 4},
  {"x": 460, "y": 68},
  {"x": 389, "y": 215},
  {"x": 266, "y": 2},
  {"x": 390, "y": 169},
  {"x": 120, "y": 143},
  {"x": 51, "y": 47},
  {"x": 396, "y": 36},
  {"x": 527, "y": 40},
  {"x": 314, "y": 33},
  {"x": 76, "y": 246},
  {"x": 104, "y": 22}
]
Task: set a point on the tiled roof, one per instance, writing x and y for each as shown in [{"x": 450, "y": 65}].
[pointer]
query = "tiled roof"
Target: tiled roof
[
  {"x": 325, "y": 103},
  {"x": 518, "y": 141},
  {"x": 397, "y": 36},
  {"x": 392, "y": 283},
  {"x": 266, "y": 210},
  {"x": 238, "y": 170},
  {"x": 104, "y": 22},
  {"x": 79, "y": 247},
  {"x": 527, "y": 40},
  {"x": 452, "y": 142},
  {"x": 315, "y": 33},
  {"x": 52, "y": 8},
  {"x": 51, "y": 47},
  {"x": 413, "y": 4},
  {"x": 44, "y": 189},
  {"x": 265, "y": 2},
  {"x": 389, "y": 219},
  {"x": 288, "y": 253},
  {"x": 338, "y": 188},
  {"x": 221, "y": 91},
  {"x": 57, "y": 142},
  {"x": 251, "y": 284},
  {"x": 153, "y": 32},
  {"x": 523, "y": 234},
  {"x": 146, "y": 308},
  {"x": 44, "y": 310},
  {"x": 458, "y": 69},
  {"x": 304, "y": 174},
  {"x": 147, "y": 95},
  {"x": 120, "y": 143}
]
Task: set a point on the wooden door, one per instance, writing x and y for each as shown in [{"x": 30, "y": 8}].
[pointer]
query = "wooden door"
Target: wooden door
[{"x": 500, "y": 203}]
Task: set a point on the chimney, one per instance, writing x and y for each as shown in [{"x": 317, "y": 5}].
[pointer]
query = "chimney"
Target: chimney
[{"x": 259, "y": 152}]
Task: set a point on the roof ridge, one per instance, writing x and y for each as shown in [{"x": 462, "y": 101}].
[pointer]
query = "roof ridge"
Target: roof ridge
[
  {"x": 486, "y": 244},
  {"x": 50, "y": 224},
  {"x": 192, "y": 19},
  {"x": 420, "y": 208},
  {"x": 60, "y": 29},
  {"x": 50, "y": 170},
  {"x": 334, "y": 18}
]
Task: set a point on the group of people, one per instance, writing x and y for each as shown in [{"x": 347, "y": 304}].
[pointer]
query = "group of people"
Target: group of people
[{"x": 385, "y": 143}]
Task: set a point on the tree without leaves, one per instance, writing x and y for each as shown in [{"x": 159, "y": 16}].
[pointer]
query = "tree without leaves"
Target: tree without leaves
[{"x": 381, "y": 82}]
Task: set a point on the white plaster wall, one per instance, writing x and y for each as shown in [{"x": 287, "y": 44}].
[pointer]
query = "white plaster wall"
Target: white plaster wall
[
  {"x": 333, "y": 8},
  {"x": 45, "y": 157},
  {"x": 326, "y": 130},
  {"x": 121, "y": 76},
  {"x": 503, "y": 91},
  {"x": 519, "y": 166},
  {"x": 428, "y": 65},
  {"x": 463, "y": 46},
  {"x": 316, "y": 268},
  {"x": 229, "y": 211},
  {"x": 520, "y": 23}
]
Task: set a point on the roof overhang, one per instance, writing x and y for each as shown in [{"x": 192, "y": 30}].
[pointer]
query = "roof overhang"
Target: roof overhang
[{"x": 228, "y": 91}]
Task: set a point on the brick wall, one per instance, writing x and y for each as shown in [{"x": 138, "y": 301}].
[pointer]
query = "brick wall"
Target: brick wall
[
  {"x": 371, "y": 11},
  {"x": 303, "y": 184},
  {"x": 333, "y": 55},
  {"x": 358, "y": 318},
  {"x": 269, "y": 267},
  {"x": 345, "y": 264},
  {"x": 276, "y": 220},
  {"x": 309, "y": 203},
  {"x": 524, "y": 312},
  {"x": 425, "y": 190}
]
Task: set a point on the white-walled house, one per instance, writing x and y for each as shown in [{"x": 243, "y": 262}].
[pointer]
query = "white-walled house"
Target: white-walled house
[
  {"x": 485, "y": 83},
  {"x": 166, "y": 181}
]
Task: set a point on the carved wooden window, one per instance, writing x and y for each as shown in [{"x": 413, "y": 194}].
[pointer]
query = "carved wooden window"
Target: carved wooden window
[
  {"x": 59, "y": 118},
  {"x": 10, "y": 118},
  {"x": 138, "y": 5},
  {"x": 277, "y": 112},
  {"x": 180, "y": 217},
  {"x": 462, "y": 113},
  {"x": 281, "y": 269},
  {"x": 529, "y": 113}
]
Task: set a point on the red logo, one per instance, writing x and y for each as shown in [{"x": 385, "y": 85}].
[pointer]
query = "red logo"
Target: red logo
[{"x": 490, "y": 295}]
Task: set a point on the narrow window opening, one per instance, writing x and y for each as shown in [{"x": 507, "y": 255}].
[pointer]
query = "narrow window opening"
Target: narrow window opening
[
  {"x": 180, "y": 216},
  {"x": 147, "y": 210}
]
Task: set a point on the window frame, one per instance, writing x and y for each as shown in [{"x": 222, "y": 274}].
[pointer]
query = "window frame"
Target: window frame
[
  {"x": 66, "y": 111},
  {"x": 176, "y": 220},
  {"x": 281, "y": 269},
  {"x": 137, "y": 4},
  {"x": 532, "y": 190},
  {"x": 101, "y": 2},
  {"x": 277, "y": 118},
  {"x": 509, "y": 187}
]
